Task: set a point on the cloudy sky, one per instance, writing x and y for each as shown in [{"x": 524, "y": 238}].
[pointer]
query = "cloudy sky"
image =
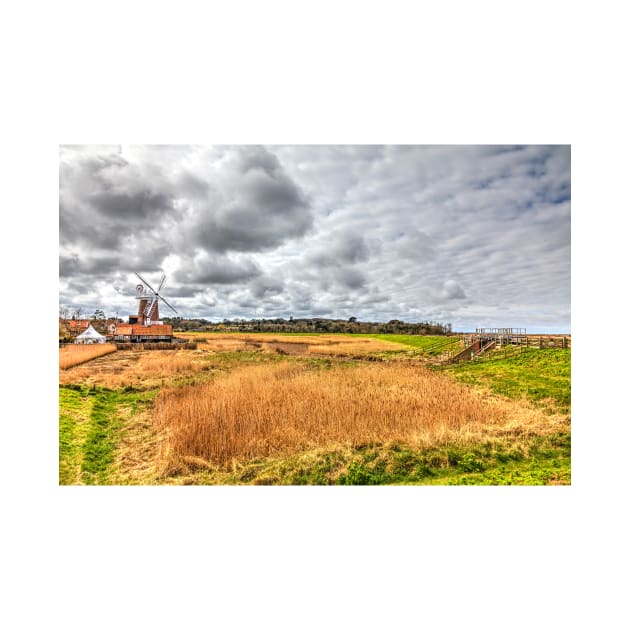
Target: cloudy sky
[{"x": 471, "y": 235}]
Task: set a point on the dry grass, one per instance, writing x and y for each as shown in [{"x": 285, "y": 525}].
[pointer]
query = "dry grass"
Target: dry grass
[
  {"x": 70, "y": 356},
  {"x": 259, "y": 337},
  {"x": 145, "y": 368},
  {"x": 136, "y": 460},
  {"x": 258, "y": 411},
  {"x": 229, "y": 345},
  {"x": 271, "y": 338},
  {"x": 322, "y": 345},
  {"x": 354, "y": 347}
]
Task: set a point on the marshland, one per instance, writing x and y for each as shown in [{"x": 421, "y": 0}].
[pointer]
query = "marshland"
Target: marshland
[{"x": 275, "y": 409}]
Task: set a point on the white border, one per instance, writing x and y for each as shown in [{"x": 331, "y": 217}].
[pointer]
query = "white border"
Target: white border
[{"x": 327, "y": 73}]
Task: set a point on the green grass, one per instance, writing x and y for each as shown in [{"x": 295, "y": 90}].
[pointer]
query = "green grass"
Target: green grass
[
  {"x": 543, "y": 376},
  {"x": 539, "y": 460},
  {"x": 91, "y": 423},
  {"x": 430, "y": 345},
  {"x": 100, "y": 441},
  {"x": 74, "y": 411}
]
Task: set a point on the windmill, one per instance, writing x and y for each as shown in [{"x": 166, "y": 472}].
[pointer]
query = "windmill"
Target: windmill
[{"x": 149, "y": 299}]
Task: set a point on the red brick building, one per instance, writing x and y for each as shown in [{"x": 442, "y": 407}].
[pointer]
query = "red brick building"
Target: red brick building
[
  {"x": 137, "y": 333},
  {"x": 77, "y": 326}
]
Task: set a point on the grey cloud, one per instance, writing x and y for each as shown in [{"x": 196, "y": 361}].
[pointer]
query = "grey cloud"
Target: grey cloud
[
  {"x": 266, "y": 286},
  {"x": 68, "y": 265},
  {"x": 350, "y": 249},
  {"x": 103, "y": 198},
  {"x": 414, "y": 245},
  {"x": 75, "y": 265},
  {"x": 176, "y": 290},
  {"x": 469, "y": 233},
  {"x": 328, "y": 173},
  {"x": 453, "y": 291},
  {"x": 217, "y": 270},
  {"x": 241, "y": 202},
  {"x": 351, "y": 278},
  {"x": 344, "y": 249},
  {"x": 102, "y": 263},
  {"x": 131, "y": 206},
  {"x": 257, "y": 207},
  {"x": 195, "y": 187}
]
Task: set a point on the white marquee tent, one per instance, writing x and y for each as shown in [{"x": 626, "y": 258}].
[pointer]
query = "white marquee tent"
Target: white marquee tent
[{"x": 90, "y": 336}]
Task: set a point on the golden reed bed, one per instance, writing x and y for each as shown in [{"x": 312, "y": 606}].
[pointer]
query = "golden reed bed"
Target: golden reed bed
[
  {"x": 146, "y": 369},
  {"x": 257, "y": 411},
  {"x": 70, "y": 356}
]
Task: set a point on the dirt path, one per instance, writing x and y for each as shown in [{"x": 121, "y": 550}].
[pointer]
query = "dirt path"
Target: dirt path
[{"x": 295, "y": 349}]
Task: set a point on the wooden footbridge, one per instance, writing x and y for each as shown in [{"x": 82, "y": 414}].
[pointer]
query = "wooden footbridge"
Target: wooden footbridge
[{"x": 484, "y": 339}]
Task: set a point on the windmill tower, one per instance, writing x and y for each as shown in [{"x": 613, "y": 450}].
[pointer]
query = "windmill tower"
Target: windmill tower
[{"x": 148, "y": 300}]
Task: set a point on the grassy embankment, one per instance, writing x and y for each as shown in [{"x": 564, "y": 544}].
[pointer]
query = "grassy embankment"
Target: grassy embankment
[
  {"x": 537, "y": 453},
  {"x": 542, "y": 376}
]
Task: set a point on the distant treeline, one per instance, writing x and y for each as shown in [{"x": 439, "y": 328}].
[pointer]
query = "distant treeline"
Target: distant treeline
[{"x": 352, "y": 325}]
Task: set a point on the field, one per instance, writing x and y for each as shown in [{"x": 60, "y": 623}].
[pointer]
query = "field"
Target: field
[
  {"x": 72, "y": 355},
  {"x": 315, "y": 409}
]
